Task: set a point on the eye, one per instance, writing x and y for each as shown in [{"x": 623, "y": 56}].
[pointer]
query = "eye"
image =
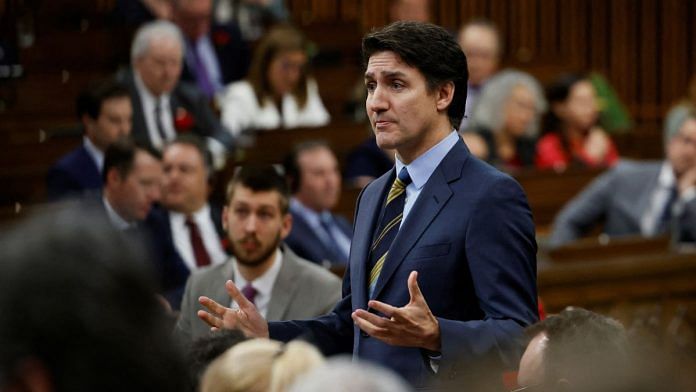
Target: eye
[
  {"x": 397, "y": 85},
  {"x": 370, "y": 86}
]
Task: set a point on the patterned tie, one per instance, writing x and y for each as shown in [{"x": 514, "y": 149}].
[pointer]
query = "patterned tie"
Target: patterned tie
[
  {"x": 199, "y": 252},
  {"x": 201, "y": 72},
  {"x": 249, "y": 292},
  {"x": 158, "y": 120},
  {"x": 389, "y": 226},
  {"x": 666, "y": 216}
]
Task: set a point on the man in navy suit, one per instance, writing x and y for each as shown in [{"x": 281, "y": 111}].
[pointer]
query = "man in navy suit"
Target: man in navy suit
[
  {"x": 105, "y": 111},
  {"x": 215, "y": 55},
  {"x": 457, "y": 285},
  {"x": 315, "y": 182}
]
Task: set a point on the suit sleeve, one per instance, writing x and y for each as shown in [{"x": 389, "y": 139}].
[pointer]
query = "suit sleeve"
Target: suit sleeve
[
  {"x": 583, "y": 211},
  {"x": 60, "y": 184},
  {"x": 500, "y": 250}
]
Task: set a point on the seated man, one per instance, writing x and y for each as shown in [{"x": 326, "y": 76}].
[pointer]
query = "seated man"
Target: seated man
[
  {"x": 162, "y": 105},
  {"x": 575, "y": 350},
  {"x": 315, "y": 182},
  {"x": 132, "y": 183},
  {"x": 641, "y": 198},
  {"x": 105, "y": 112},
  {"x": 282, "y": 285},
  {"x": 187, "y": 231}
]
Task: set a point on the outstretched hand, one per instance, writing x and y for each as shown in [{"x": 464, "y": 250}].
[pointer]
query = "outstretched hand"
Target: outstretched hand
[
  {"x": 247, "y": 318},
  {"x": 413, "y": 325}
]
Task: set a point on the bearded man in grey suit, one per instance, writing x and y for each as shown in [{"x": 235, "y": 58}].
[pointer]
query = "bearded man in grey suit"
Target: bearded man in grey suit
[
  {"x": 282, "y": 285},
  {"x": 647, "y": 198}
]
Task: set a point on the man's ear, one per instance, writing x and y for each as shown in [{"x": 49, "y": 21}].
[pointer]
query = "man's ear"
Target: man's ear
[
  {"x": 89, "y": 123},
  {"x": 225, "y": 211},
  {"x": 286, "y": 226},
  {"x": 445, "y": 94},
  {"x": 113, "y": 177}
]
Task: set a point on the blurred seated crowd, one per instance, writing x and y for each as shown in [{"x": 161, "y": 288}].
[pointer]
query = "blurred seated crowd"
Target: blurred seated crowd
[{"x": 133, "y": 225}]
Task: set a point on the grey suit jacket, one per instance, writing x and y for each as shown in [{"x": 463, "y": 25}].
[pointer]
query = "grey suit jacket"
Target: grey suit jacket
[
  {"x": 619, "y": 198},
  {"x": 302, "y": 290}
]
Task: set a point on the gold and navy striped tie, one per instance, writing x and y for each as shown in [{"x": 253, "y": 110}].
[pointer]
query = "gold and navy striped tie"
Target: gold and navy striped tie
[{"x": 393, "y": 212}]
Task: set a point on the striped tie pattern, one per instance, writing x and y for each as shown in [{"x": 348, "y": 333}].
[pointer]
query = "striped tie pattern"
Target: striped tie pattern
[{"x": 393, "y": 212}]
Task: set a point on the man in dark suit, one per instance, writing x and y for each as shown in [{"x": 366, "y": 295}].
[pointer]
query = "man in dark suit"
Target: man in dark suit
[
  {"x": 646, "y": 198},
  {"x": 282, "y": 285},
  {"x": 442, "y": 269},
  {"x": 315, "y": 182},
  {"x": 162, "y": 105},
  {"x": 215, "y": 55},
  {"x": 187, "y": 230},
  {"x": 105, "y": 111}
]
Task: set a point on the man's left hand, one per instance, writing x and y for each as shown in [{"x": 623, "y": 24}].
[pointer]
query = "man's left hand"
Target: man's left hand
[{"x": 413, "y": 325}]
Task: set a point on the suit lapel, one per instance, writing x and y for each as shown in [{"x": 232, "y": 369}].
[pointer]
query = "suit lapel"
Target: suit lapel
[
  {"x": 645, "y": 187},
  {"x": 284, "y": 286},
  {"x": 368, "y": 214},
  {"x": 218, "y": 291},
  {"x": 433, "y": 197}
]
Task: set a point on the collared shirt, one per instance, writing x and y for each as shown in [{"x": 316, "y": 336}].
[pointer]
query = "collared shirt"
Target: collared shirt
[
  {"x": 116, "y": 220},
  {"x": 182, "y": 237},
  {"x": 167, "y": 118},
  {"x": 263, "y": 284},
  {"x": 666, "y": 181},
  {"x": 206, "y": 53},
  {"x": 94, "y": 152},
  {"x": 423, "y": 167},
  {"x": 314, "y": 220}
]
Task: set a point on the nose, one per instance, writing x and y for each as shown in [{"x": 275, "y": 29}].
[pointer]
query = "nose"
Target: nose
[
  {"x": 250, "y": 224},
  {"x": 376, "y": 101}
]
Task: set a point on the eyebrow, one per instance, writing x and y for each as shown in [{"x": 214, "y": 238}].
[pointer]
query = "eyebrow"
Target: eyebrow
[{"x": 388, "y": 74}]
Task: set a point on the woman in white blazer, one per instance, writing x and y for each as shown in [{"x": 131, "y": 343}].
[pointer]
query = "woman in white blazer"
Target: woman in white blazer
[{"x": 278, "y": 92}]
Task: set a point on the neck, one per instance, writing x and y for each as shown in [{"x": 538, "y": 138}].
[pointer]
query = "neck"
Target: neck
[
  {"x": 408, "y": 154},
  {"x": 252, "y": 272},
  {"x": 110, "y": 199}
]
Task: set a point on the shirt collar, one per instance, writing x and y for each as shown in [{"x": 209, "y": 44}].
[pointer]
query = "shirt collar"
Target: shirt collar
[
  {"x": 264, "y": 283},
  {"x": 146, "y": 96},
  {"x": 423, "y": 167},
  {"x": 96, "y": 154},
  {"x": 666, "y": 177},
  {"x": 311, "y": 216},
  {"x": 199, "y": 216},
  {"x": 114, "y": 217}
]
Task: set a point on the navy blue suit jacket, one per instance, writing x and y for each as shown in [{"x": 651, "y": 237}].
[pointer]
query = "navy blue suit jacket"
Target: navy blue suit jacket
[
  {"x": 470, "y": 236},
  {"x": 305, "y": 242},
  {"x": 73, "y": 175},
  {"x": 170, "y": 268}
]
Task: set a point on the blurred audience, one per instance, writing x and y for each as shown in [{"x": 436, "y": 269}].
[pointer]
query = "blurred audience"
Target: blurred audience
[
  {"x": 315, "y": 182},
  {"x": 206, "y": 348},
  {"x": 132, "y": 183},
  {"x": 571, "y": 134},
  {"x": 482, "y": 45},
  {"x": 215, "y": 54},
  {"x": 279, "y": 91},
  {"x": 367, "y": 162},
  {"x": 253, "y": 17},
  {"x": 105, "y": 112},
  {"x": 281, "y": 285},
  {"x": 575, "y": 350},
  {"x": 345, "y": 375},
  {"x": 260, "y": 365},
  {"x": 187, "y": 231},
  {"x": 162, "y": 105},
  {"x": 505, "y": 122},
  {"x": 413, "y": 10},
  {"x": 646, "y": 198},
  {"x": 78, "y": 310}
]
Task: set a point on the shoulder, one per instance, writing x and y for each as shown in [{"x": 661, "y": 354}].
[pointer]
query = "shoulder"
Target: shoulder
[
  {"x": 308, "y": 271},
  {"x": 77, "y": 160},
  {"x": 211, "y": 273}
]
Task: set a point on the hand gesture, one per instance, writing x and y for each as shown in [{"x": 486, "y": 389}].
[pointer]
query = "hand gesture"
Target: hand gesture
[
  {"x": 246, "y": 318},
  {"x": 597, "y": 145},
  {"x": 413, "y": 325}
]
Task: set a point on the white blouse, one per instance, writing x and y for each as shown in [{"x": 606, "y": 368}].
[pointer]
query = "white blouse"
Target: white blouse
[{"x": 241, "y": 110}]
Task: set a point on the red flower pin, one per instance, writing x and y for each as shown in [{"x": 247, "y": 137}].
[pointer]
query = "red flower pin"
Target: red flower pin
[
  {"x": 183, "y": 121},
  {"x": 221, "y": 38}
]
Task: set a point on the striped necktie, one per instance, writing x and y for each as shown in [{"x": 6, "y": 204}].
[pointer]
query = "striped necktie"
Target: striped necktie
[{"x": 392, "y": 215}]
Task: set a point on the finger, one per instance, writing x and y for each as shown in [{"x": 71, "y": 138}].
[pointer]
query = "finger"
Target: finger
[
  {"x": 367, "y": 327},
  {"x": 413, "y": 289},
  {"x": 209, "y": 319},
  {"x": 238, "y": 297},
  {"x": 213, "y": 306},
  {"x": 383, "y": 308},
  {"x": 372, "y": 318}
]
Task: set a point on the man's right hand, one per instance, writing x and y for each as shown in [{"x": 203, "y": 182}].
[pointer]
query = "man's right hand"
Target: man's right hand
[{"x": 246, "y": 318}]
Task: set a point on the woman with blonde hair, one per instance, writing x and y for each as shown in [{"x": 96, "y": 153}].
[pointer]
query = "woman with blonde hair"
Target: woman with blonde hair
[
  {"x": 278, "y": 92},
  {"x": 260, "y": 365}
]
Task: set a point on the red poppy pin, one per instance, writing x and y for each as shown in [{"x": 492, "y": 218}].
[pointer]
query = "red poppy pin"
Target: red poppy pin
[
  {"x": 183, "y": 121},
  {"x": 221, "y": 38}
]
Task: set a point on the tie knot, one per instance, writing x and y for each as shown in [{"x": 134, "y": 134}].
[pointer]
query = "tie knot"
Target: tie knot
[
  {"x": 403, "y": 179},
  {"x": 190, "y": 223}
]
